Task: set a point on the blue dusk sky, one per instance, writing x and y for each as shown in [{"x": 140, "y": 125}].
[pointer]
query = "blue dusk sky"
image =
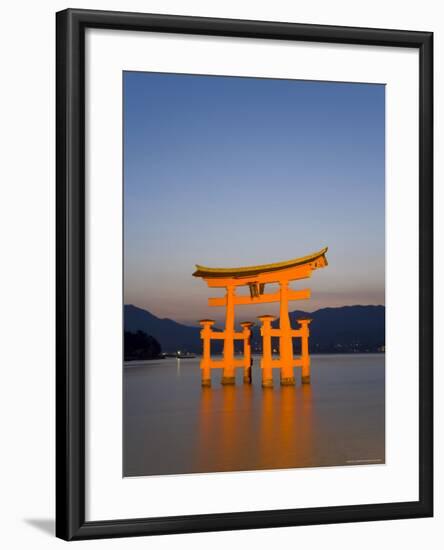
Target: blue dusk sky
[{"x": 230, "y": 171}]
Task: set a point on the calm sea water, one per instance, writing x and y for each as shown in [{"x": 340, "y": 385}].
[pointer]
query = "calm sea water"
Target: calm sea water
[{"x": 173, "y": 426}]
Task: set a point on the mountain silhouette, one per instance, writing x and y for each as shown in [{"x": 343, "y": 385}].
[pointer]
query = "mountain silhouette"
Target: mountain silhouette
[
  {"x": 171, "y": 335},
  {"x": 138, "y": 346},
  {"x": 332, "y": 330},
  {"x": 344, "y": 329}
]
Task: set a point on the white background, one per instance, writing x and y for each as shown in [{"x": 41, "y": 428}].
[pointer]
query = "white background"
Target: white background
[
  {"x": 108, "y": 495},
  {"x": 27, "y": 274}
]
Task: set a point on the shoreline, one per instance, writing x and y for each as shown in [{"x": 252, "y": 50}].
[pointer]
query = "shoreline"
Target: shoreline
[{"x": 144, "y": 362}]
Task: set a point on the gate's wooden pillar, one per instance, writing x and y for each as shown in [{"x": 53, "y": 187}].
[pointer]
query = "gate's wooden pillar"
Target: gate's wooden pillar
[
  {"x": 305, "y": 355},
  {"x": 228, "y": 376},
  {"x": 285, "y": 338},
  {"x": 267, "y": 358},
  {"x": 247, "y": 350},
  {"x": 205, "y": 363}
]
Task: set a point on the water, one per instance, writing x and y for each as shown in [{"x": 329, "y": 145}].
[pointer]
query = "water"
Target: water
[{"x": 173, "y": 426}]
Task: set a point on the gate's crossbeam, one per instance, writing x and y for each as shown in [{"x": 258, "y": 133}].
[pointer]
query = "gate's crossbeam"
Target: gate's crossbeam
[{"x": 262, "y": 298}]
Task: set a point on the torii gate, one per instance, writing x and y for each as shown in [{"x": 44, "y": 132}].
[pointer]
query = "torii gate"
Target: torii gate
[{"x": 256, "y": 277}]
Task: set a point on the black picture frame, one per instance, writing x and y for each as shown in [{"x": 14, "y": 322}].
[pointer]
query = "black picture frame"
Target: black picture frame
[{"x": 70, "y": 277}]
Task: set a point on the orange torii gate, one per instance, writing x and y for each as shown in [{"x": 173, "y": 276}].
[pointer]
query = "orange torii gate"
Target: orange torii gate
[{"x": 256, "y": 277}]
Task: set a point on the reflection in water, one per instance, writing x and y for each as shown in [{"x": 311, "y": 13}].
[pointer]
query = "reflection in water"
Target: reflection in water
[
  {"x": 232, "y": 439},
  {"x": 225, "y": 427},
  {"x": 172, "y": 425},
  {"x": 286, "y": 427}
]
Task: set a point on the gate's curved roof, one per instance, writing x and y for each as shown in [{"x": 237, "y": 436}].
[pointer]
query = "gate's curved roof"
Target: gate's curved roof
[{"x": 214, "y": 272}]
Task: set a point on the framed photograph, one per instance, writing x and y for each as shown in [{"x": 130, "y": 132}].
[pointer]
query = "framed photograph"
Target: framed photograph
[{"x": 244, "y": 274}]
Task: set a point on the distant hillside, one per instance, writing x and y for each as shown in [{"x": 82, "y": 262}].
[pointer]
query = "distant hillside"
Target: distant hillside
[
  {"x": 342, "y": 330},
  {"x": 138, "y": 346},
  {"x": 350, "y": 328},
  {"x": 172, "y": 336}
]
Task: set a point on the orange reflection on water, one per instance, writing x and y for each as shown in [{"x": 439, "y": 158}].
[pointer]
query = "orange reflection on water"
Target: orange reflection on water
[
  {"x": 173, "y": 426},
  {"x": 248, "y": 428},
  {"x": 286, "y": 432}
]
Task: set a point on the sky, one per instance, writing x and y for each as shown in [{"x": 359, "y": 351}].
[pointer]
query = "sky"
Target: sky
[{"x": 231, "y": 171}]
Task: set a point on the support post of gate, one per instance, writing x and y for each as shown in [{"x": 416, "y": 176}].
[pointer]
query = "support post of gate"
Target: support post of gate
[
  {"x": 205, "y": 363},
  {"x": 305, "y": 355},
  {"x": 285, "y": 339},
  {"x": 267, "y": 358},
  {"x": 228, "y": 377},
  {"x": 246, "y": 326}
]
